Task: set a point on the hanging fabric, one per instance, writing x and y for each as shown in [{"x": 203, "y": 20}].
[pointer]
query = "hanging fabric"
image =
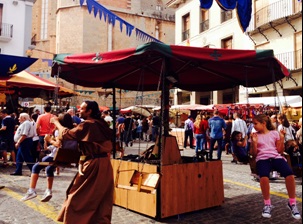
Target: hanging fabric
[{"x": 244, "y": 9}]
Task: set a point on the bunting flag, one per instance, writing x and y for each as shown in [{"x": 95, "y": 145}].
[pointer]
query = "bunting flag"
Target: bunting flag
[
  {"x": 111, "y": 18},
  {"x": 49, "y": 61},
  {"x": 85, "y": 91},
  {"x": 244, "y": 9}
]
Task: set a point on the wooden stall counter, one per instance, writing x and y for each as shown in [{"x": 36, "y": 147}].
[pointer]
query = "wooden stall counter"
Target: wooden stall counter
[{"x": 170, "y": 189}]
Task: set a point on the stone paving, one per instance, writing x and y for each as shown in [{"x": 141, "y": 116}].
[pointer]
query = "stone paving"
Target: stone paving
[{"x": 243, "y": 200}]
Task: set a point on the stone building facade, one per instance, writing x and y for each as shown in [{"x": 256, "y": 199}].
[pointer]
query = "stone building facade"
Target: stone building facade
[{"x": 64, "y": 27}]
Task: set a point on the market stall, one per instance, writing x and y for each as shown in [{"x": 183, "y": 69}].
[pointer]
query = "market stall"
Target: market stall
[
  {"x": 149, "y": 187},
  {"x": 289, "y": 105},
  {"x": 26, "y": 84},
  {"x": 136, "y": 110}
]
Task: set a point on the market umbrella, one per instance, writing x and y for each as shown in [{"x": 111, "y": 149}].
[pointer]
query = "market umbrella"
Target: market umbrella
[
  {"x": 188, "y": 68},
  {"x": 156, "y": 66},
  {"x": 29, "y": 85},
  {"x": 10, "y": 64},
  {"x": 200, "y": 107},
  {"x": 101, "y": 108},
  {"x": 136, "y": 109}
]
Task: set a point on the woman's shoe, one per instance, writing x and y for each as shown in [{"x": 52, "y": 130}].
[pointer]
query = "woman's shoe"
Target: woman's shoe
[
  {"x": 234, "y": 161},
  {"x": 16, "y": 174}
]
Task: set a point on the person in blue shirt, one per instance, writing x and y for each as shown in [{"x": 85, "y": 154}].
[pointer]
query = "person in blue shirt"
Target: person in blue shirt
[
  {"x": 216, "y": 125},
  {"x": 76, "y": 119},
  {"x": 239, "y": 147},
  {"x": 7, "y": 136}
]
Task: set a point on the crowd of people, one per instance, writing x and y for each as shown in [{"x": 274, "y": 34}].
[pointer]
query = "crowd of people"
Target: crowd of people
[
  {"x": 130, "y": 128},
  {"x": 48, "y": 132},
  {"x": 265, "y": 138},
  {"x": 231, "y": 134}
]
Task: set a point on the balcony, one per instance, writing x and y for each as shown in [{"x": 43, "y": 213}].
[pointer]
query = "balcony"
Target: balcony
[
  {"x": 204, "y": 26},
  {"x": 6, "y": 32},
  {"x": 185, "y": 35},
  {"x": 292, "y": 60},
  {"x": 275, "y": 14},
  {"x": 226, "y": 15}
]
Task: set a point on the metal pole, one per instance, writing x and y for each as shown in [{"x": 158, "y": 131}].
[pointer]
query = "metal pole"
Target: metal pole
[{"x": 114, "y": 122}]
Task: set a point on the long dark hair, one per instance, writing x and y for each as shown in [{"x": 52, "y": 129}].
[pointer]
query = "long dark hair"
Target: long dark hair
[
  {"x": 284, "y": 120},
  {"x": 66, "y": 120},
  {"x": 262, "y": 118},
  {"x": 234, "y": 134},
  {"x": 93, "y": 105}
]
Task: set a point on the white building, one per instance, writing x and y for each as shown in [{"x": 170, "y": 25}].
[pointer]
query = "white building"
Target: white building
[
  {"x": 216, "y": 28},
  {"x": 15, "y": 26}
]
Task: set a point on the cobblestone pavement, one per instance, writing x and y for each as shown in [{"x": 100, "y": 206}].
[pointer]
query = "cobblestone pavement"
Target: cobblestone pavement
[{"x": 243, "y": 200}]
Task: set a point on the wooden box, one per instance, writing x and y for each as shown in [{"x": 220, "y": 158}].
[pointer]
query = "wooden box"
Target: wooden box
[{"x": 183, "y": 188}]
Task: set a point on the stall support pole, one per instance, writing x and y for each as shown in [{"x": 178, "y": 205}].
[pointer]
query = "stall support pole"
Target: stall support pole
[{"x": 114, "y": 123}]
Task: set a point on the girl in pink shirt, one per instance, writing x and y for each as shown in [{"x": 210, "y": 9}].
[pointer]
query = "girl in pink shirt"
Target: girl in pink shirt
[{"x": 267, "y": 145}]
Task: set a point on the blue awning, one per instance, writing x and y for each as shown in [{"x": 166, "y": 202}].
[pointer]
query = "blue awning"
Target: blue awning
[{"x": 10, "y": 64}]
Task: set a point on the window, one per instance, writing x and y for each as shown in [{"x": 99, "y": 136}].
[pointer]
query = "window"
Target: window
[
  {"x": 44, "y": 11},
  {"x": 228, "y": 97},
  {"x": 158, "y": 8},
  {"x": 205, "y": 100},
  {"x": 226, "y": 15},
  {"x": 204, "y": 20},
  {"x": 186, "y": 27},
  {"x": 227, "y": 43}
]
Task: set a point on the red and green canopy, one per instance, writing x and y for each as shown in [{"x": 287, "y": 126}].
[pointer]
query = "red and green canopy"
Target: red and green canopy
[{"x": 189, "y": 68}]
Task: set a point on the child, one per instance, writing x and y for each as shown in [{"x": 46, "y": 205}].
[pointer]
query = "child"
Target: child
[
  {"x": 267, "y": 145},
  {"x": 239, "y": 147},
  {"x": 66, "y": 121}
]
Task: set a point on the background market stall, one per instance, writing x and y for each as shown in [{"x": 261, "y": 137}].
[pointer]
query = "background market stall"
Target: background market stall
[
  {"x": 156, "y": 66},
  {"x": 136, "y": 110},
  {"x": 25, "y": 84},
  {"x": 289, "y": 105}
]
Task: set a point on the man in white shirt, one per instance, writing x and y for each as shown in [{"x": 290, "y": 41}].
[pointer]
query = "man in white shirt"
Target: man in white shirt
[
  {"x": 108, "y": 118},
  {"x": 239, "y": 125},
  {"x": 24, "y": 142},
  {"x": 188, "y": 132}
]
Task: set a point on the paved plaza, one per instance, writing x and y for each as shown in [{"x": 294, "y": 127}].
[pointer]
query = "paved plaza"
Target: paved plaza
[{"x": 243, "y": 201}]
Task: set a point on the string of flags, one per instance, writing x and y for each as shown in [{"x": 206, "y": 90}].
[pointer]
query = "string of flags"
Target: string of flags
[{"x": 111, "y": 18}]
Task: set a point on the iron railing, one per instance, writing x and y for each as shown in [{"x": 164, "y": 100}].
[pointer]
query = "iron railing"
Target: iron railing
[
  {"x": 274, "y": 11},
  {"x": 226, "y": 15},
  {"x": 204, "y": 26},
  {"x": 6, "y": 30},
  {"x": 292, "y": 60},
  {"x": 185, "y": 35}
]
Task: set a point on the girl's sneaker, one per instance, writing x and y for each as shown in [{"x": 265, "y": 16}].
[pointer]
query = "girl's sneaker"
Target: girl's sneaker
[{"x": 47, "y": 196}]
